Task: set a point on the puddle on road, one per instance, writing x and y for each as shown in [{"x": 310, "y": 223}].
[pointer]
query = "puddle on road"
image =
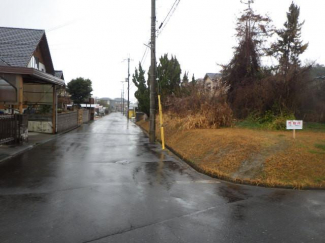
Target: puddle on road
[
  {"x": 232, "y": 193},
  {"x": 123, "y": 162},
  {"x": 164, "y": 173},
  {"x": 278, "y": 196}
]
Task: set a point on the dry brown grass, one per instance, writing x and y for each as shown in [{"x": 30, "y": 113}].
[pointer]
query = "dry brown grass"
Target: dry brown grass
[
  {"x": 144, "y": 124},
  {"x": 268, "y": 158}
]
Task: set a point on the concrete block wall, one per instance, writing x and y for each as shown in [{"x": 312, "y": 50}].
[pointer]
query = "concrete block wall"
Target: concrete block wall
[
  {"x": 40, "y": 123},
  {"x": 85, "y": 116},
  {"x": 80, "y": 117},
  {"x": 67, "y": 121},
  {"x": 40, "y": 126}
]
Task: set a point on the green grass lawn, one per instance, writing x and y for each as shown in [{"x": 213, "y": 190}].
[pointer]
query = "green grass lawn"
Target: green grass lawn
[
  {"x": 308, "y": 126},
  {"x": 314, "y": 127}
]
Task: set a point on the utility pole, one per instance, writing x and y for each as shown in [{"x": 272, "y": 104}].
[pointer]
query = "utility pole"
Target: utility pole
[
  {"x": 127, "y": 113},
  {"x": 128, "y": 80},
  {"x": 122, "y": 99},
  {"x": 152, "y": 127}
]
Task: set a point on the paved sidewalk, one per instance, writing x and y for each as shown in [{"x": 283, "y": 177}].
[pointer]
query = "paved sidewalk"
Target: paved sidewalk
[{"x": 34, "y": 139}]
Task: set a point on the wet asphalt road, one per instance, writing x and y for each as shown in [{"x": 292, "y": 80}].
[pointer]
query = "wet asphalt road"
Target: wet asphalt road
[{"x": 104, "y": 183}]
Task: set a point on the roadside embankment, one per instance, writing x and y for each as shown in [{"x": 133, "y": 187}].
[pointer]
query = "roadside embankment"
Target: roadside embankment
[{"x": 258, "y": 157}]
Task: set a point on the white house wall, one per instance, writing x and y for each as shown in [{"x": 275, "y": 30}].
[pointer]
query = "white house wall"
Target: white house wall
[{"x": 32, "y": 64}]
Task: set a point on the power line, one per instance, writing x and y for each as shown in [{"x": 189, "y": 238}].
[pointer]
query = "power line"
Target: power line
[
  {"x": 168, "y": 14},
  {"x": 167, "y": 18},
  {"x": 144, "y": 54},
  {"x": 63, "y": 25},
  {"x": 161, "y": 27}
]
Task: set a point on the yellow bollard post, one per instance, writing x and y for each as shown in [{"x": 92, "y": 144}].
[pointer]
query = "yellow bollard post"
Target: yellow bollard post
[{"x": 161, "y": 124}]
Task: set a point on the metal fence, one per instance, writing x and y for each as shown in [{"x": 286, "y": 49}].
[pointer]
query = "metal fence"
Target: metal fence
[{"x": 13, "y": 128}]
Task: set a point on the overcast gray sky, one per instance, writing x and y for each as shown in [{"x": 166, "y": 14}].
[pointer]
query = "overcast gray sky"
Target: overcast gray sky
[{"x": 91, "y": 39}]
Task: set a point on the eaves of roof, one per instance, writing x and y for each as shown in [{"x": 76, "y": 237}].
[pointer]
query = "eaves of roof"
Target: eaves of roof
[{"x": 34, "y": 73}]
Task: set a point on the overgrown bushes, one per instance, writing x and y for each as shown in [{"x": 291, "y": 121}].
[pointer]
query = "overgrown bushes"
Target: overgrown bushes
[
  {"x": 268, "y": 120},
  {"x": 266, "y": 96},
  {"x": 199, "y": 109}
]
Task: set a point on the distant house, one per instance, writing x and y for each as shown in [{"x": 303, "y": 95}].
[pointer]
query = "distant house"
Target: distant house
[
  {"x": 117, "y": 104},
  {"x": 211, "y": 81},
  {"x": 59, "y": 74},
  {"x": 28, "y": 80},
  {"x": 105, "y": 100}
]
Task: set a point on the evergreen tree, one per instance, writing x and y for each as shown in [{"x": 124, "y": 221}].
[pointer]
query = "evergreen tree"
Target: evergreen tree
[
  {"x": 289, "y": 46},
  {"x": 185, "y": 79},
  {"x": 291, "y": 77},
  {"x": 244, "y": 69},
  {"x": 169, "y": 76},
  {"x": 193, "y": 79},
  {"x": 252, "y": 32},
  {"x": 142, "y": 94}
]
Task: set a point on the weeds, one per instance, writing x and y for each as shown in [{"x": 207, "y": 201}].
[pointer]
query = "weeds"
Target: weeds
[
  {"x": 320, "y": 146},
  {"x": 199, "y": 109},
  {"x": 268, "y": 121},
  {"x": 313, "y": 126}
]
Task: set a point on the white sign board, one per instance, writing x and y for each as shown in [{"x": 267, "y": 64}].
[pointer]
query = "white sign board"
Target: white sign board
[{"x": 294, "y": 124}]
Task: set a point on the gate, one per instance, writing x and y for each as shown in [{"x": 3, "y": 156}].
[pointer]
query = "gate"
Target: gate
[{"x": 13, "y": 128}]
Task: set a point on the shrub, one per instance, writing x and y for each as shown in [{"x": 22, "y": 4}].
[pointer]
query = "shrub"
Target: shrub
[
  {"x": 200, "y": 109},
  {"x": 270, "y": 120}
]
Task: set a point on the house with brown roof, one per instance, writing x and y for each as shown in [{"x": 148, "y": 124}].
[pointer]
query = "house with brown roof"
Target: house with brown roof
[{"x": 28, "y": 80}]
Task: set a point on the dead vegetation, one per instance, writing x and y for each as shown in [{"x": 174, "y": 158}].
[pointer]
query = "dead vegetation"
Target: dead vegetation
[
  {"x": 268, "y": 158},
  {"x": 198, "y": 109}
]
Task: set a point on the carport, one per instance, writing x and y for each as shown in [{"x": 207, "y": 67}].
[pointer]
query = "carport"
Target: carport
[{"x": 31, "y": 92}]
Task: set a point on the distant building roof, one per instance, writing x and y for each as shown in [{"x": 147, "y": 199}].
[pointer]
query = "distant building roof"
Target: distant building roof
[
  {"x": 89, "y": 105},
  {"x": 86, "y": 105},
  {"x": 119, "y": 99},
  {"x": 104, "y": 98},
  {"x": 133, "y": 105},
  {"x": 212, "y": 76},
  {"x": 59, "y": 74},
  {"x": 18, "y": 45}
]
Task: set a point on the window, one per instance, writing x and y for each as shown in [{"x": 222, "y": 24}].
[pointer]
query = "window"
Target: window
[{"x": 36, "y": 63}]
